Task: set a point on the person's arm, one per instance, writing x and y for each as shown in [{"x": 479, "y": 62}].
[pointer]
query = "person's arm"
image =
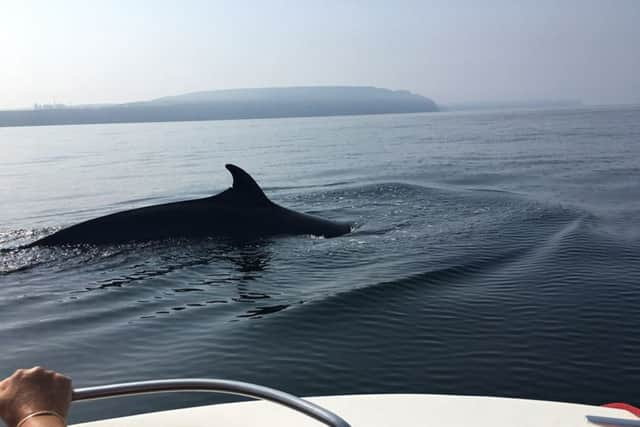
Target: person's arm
[{"x": 35, "y": 397}]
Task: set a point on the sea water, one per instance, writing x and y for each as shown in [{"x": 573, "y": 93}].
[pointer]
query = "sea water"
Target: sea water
[{"x": 494, "y": 253}]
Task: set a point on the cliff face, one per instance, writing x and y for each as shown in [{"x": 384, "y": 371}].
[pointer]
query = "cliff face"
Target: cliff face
[{"x": 234, "y": 104}]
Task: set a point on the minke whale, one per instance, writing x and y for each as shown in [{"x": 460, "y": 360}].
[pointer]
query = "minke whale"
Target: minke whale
[{"x": 242, "y": 211}]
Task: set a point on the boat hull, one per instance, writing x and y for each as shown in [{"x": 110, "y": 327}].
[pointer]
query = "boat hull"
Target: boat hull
[{"x": 407, "y": 410}]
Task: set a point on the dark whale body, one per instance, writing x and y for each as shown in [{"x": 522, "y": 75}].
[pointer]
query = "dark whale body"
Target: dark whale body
[{"x": 243, "y": 211}]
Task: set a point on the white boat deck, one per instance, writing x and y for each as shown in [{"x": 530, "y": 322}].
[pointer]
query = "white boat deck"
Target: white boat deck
[{"x": 406, "y": 410}]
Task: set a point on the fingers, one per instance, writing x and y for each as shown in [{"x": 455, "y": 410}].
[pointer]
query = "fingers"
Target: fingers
[
  {"x": 63, "y": 383},
  {"x": 38, "y": 372}
]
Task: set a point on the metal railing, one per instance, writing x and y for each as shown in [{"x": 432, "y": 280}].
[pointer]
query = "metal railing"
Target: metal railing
[{"x": 213, "y": 385}]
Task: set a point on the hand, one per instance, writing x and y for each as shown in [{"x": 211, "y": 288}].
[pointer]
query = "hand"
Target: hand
[{"x": 32, "y": 390}]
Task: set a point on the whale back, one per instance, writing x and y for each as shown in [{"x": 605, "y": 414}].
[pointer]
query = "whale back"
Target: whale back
[{"x": 240, "y": 211}]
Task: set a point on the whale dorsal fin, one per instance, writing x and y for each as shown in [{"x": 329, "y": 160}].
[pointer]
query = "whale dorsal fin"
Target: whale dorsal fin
[{"x": 245, "y": 186}]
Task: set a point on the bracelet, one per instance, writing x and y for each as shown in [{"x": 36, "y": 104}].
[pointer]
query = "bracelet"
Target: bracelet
[{"x": 39, "y": 413}]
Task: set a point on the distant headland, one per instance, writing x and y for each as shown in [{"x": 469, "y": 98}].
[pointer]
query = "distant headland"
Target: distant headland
[{"x": 230, "y": 104}]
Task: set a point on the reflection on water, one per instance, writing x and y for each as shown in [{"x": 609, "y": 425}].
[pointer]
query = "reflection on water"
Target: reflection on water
[{"x": 236, "y": 263}]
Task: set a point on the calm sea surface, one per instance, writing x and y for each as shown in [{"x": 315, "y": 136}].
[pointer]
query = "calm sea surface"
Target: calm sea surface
[{"x": 495, "y": 253}]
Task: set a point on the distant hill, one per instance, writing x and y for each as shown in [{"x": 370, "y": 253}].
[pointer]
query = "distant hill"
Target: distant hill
[{"x": 232, "y": 104}]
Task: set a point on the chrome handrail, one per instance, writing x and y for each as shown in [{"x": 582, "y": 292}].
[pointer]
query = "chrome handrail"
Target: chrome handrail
[
  {"x": 613, "y": 422},
  {"x": 213, "y": 385}
]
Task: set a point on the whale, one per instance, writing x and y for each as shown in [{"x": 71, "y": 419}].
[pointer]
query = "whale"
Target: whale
[{"x": 242, "y": 211}]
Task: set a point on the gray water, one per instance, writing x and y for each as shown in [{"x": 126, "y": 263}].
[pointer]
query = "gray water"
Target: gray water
[{"x": 495, "y": 253}]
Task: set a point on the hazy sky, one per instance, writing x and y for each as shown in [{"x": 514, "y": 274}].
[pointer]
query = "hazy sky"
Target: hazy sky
[{"x": 91, "y": 51}]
